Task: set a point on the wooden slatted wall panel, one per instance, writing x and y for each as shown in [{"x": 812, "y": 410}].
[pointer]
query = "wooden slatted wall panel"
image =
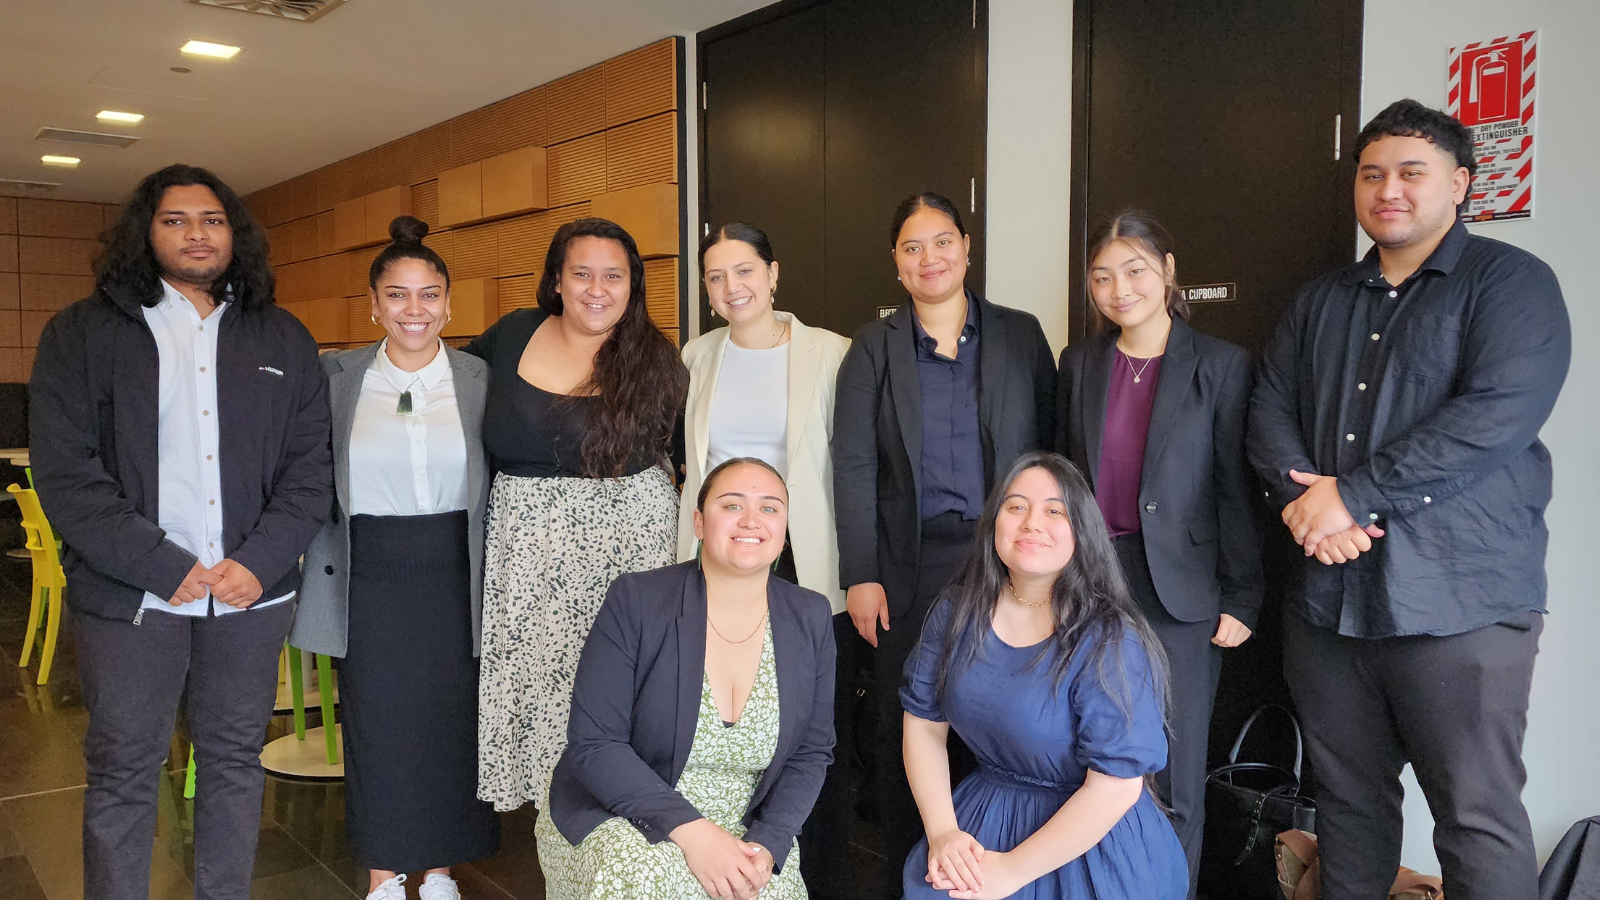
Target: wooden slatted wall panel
[
  {"x": 565, "y": 214},
  {"x": 661, "y": 291},
  {"x": 472, "y": 136},
  {"x": 444, "y": 244},
  {"x": 476, "y": 252},
  {"x": 522, "y": 243},
  {"x": 427, "y": 153},
  {"x": 425, "y": 202},
  {"x": 576, "y": 105},
  {"x": 577, "y": 169},
  {"x": 518, "y": 293},
  {"x": 641, "y": 83},
  {"x": 519, "y": 121},
  {"x": 644, "y": 152},
  {"x": 325, "y": 240}
]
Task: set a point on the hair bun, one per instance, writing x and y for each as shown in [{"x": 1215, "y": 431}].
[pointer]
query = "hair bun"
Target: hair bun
[{"x": 407, "y": 230}]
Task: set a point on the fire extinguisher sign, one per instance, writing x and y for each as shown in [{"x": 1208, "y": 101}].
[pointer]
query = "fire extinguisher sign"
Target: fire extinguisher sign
[{"x": 1491, "y": 90}]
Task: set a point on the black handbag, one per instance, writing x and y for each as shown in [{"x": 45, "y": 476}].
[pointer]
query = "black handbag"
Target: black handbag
[{"x": 1247, "y": 805}]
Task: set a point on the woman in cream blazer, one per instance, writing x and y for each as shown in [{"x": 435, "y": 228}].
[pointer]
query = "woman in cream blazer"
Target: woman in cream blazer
[{"x": 777, "y": 405}]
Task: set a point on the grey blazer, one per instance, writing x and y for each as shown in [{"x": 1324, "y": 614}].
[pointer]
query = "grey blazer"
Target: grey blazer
[{"x": 321, "y": 624}]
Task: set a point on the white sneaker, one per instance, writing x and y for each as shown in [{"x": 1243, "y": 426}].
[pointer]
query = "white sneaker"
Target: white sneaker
[
  {"x": 393, "y": 889},
  {"x": 439, "y": 887}
]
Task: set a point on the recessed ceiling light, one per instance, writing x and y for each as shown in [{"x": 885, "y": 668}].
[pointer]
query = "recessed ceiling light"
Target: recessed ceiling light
[
  {"x": 126, "y": 118},
  {"x": 60, "y": 162},
  {"x": 206, "y": 48}
]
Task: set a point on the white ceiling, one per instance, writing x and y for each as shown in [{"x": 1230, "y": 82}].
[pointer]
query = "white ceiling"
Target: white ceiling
[{"x": 300, "y": 95}]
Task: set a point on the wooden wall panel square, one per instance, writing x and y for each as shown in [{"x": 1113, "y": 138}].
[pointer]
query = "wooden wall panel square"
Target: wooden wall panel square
[
  {"x": 303, "y": 238},
  {"x": 10, "y": 290},
  {"x": 11, "y": 368},
  {"x": 461, "y": 194},
  {"x": 49, "y": 293},
  {"x": 577, "y": 169},
  {"x": 476, "y": 252},
  {"x": 8, "y": 215},
  {"x": 336, "y": 184},
  {"x": 472, "y": 136},
  {"x": 325, "y": 233},
  {"x": 521, "y": 292},
  {"x": 56, "y": 256},
  {"x": 576, "y": 105},
  {"x": 516, "y": 181},
  {"x": 8, "y": 253},
  {"x": 519, "y": 121},
  {"x": 661, "y": 291},
  {"x": 425, "y": 202},
  {"x": 358, "y": 271},
  {"x": 642, "y": 152},
  {"x": 565, "y": 214},
  {"x": 303, "y": 200},
  {"x": 33, "y": 322},
  {"x": 444, "y": 244},
  {"x": 329, "y": 319},
  {"x": 384, "y": 207},
  {"x": 474, "y": 306},
  {"x": 427, "y": 153},
  {"x": 642, "y": 83},
  {"x": 58, "y": 218},
  {"x": 648, "y": 212},
  {"x": 10, "y": 328},
  {"x": 522, "y": 243},
  {"x": 362, "y": 329}
]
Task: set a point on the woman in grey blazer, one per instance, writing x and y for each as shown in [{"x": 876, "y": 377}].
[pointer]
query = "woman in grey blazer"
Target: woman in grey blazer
[{"x": 392, "y": 584}]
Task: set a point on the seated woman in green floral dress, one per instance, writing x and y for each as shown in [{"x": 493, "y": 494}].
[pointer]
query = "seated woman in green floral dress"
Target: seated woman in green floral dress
[{"x": 702, "y": 718}]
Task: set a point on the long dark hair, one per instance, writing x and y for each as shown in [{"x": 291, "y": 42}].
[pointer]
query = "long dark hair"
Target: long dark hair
[
  {"x": 1089, "y": 601},
  {"x": 127, "y": 261},
  {"x": 1139, "y": 228},
  {"x": 638, "y": 379},
  {"x": 405, "y": 242}
]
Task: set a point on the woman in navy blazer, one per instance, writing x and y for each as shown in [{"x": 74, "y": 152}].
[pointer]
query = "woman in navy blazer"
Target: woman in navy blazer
[
  {"x": 695, "y": 752},
  {"x": 1153, "y": 413}
]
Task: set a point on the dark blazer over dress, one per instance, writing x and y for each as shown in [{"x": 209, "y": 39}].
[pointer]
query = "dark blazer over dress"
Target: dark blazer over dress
[{"x": 636, "y": 702}]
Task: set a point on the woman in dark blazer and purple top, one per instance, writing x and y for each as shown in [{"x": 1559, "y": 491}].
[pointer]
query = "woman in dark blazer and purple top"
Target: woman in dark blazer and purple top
[{"x": 1153, "y": 413}]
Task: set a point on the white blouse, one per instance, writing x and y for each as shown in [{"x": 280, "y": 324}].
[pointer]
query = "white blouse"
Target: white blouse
[
  {"x": 750, "y": 409},
  {"x": 407, "y": 465}
]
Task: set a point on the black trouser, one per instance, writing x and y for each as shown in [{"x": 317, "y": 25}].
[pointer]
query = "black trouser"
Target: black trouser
[
  {"x": 945, "y": 542},
  {"x": 1454, "y": 707},
  {"x": 132, "y": 677},
  {"x": 825, "y": 839},
  {"x": 1193, "y": 665}
]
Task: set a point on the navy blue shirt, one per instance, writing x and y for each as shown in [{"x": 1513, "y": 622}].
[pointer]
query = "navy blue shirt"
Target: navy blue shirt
[
  {"x": 952, "y": 448},
  {"x": 1425, "y": 400}
]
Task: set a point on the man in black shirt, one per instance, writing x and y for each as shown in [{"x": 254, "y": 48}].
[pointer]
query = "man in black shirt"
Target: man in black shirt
[{"x": 1395, "y": 424}]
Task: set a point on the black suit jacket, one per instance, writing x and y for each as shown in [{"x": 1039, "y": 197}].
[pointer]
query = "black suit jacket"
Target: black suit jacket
[
  {"x": 1196, "y": 492},
  {"x": 636, "y": 702},
  {"x": 877, "y": 435}
]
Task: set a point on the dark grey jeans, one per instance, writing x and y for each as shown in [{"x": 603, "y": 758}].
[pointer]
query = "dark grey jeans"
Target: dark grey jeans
[
  {"x": 133, "y": 677},
  {"x": 1454, "y": 707}
]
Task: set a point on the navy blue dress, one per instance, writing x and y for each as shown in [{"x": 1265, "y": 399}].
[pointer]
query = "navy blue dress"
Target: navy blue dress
[{"x": 1034, "y": 750}]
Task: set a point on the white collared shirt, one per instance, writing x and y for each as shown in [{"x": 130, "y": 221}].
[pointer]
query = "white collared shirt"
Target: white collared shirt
[
  {"x": 407, "y": 465},
  {"x": 189, "y": 477}
]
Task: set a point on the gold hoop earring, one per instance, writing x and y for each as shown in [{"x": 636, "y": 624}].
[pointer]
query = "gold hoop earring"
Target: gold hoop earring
[{"x": 374, "y": 319}]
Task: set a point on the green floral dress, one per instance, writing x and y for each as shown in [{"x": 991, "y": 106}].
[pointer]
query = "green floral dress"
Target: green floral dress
[{"x": 615, "y": 862}]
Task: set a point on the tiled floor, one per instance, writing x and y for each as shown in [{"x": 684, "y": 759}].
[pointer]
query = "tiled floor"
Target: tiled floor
[{"x": 302, "y": 851}]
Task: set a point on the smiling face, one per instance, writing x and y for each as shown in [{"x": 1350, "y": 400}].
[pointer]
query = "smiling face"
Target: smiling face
[
  {"x": 738, "y": 282},
  {"x": 742, "y": 524},
  {"x": 1407, "y": 190},
  {"x": 412, "y": 304},
  {"x": 595, "y": 285},
  {"x": 931, "y": 256},
  {"x": 1128, "y": 283},
  {"x": 190, "y": 235},
  {"x": 1032, "y": 533}
]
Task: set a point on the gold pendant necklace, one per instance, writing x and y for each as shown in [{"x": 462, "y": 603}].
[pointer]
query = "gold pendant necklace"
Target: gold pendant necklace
[{"x": 1034, "y": 604}]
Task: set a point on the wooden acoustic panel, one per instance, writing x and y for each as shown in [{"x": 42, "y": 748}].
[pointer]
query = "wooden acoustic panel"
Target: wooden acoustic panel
[
  {"x": 383, "y": 207},
  {"x": 33, "y": 322},
  {"x": 474, "y": 306},
  {"x": 472, "y": 136},
  {"x": 648, "y": 212},
  {"x": 641, "y": 83},
  {"x": 425, "y": 202},
  {"x": 8, "y": 253},
  {"x": 49, "y": 293},
  {"x": 10, "y": 325},
  {"x": 522, "y": 243},
  {"x": 424, "y": 154},
  {"x": 329, "y": 319},
  {"x": 515, "y": 181},
  {"x": 325, "y": 226},
  {"x": 350, "y": 223},
  {"x": 336, "y": 183},
  {"x": 560, "y": 217},
  {"x": 642, "y": 152},
  {"x": 362, "y": 329},
  {"x": 10, "y": 290},
  {"x": 476, "y": 252},
  {"x": 444, "y": 244},
  {"x": 521, "y": 292},
  {"x": 303, "y": 196},
  {"x": 519, "y": 121},
  {"x": 303, "y": 238},
  {"x": 58, "y": 218},
  {"x": 461, "y": 194},
  {"x": 56, "y": 256},
  {"x": 577, "y": 170},
  {"x": 576, "y": 105},
  {"x": 661, "y": 291},
  {"x": 8, "y": 215}
]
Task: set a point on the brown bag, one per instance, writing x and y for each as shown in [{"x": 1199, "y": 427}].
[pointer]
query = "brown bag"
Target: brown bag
[{"x": 1300, "y": 872}]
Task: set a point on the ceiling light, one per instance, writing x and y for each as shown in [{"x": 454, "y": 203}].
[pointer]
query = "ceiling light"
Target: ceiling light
[
  {"x": 205, "y": 48},
  {"x": 60, "y": 162},
  {"x": 125, "y": 118}
]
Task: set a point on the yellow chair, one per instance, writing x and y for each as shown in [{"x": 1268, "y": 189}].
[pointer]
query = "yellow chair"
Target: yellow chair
[{"x": 49, "y": 581}]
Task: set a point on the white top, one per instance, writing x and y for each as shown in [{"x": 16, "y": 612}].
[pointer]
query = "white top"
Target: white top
[
  {"x": 413, "y": 465},
  {"x": 750, "y": 410},
  {"x": 189, "y": 476}
]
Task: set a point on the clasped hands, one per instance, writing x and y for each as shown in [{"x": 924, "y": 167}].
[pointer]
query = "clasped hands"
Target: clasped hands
[
  {"x": 959, "y": 864},
  {"x": 1322, "y": 525},
  {"x": 726, "y": 867},
  {"x": 228, "y": 581}
]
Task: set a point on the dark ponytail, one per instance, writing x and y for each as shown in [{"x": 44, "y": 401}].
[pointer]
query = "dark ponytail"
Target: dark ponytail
[
  {"x": 1139, "y": 228},
  {"x": 405, "y": 242}
]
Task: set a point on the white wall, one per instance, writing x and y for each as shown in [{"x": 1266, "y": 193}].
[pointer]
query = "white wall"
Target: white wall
[
  {"x": 1030, "y": 125},
  {"x": 1404, "y": 51}
]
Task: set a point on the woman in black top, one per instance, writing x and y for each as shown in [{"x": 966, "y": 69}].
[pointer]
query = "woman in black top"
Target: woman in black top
[
  {"x": 932, "y": 401},
  {"x": 583, "y": 395}
]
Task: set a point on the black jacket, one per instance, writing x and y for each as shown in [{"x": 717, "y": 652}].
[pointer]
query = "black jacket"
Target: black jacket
[
  {"x": 636, "y": 702},
  {"x": 94, "y": 423},
  {"x": 877, "y": 435},
  {"x": 1196, "y": 504}
]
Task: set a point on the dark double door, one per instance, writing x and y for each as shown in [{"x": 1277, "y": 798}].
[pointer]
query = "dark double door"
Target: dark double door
[{"x": 819, "y": 117}]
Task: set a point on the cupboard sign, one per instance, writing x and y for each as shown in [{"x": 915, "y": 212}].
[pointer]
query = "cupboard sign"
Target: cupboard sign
[{"x": 1209, "y": 293}]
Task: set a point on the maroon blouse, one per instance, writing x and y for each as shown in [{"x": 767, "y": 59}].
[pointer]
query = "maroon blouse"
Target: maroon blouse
[{"x": 1122, "y": 447}]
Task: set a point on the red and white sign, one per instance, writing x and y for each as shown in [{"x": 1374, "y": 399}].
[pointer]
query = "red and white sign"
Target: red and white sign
[{"x": 1492, "y": 91}]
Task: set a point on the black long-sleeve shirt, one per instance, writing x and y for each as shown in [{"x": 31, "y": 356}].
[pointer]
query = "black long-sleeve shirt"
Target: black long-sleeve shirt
[{"x": 1425, "y": 400}]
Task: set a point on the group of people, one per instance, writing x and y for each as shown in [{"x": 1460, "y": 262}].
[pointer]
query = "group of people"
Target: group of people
[{"x": 532, "y": 600}]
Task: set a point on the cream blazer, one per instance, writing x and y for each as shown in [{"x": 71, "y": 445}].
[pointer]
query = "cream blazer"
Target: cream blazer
[{"x": 814, "y": 357}]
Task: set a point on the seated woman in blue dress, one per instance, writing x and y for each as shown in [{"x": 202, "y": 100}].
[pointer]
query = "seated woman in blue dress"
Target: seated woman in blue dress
[
  {"x": 702, "y": 718},
  {"x": 1038, "y": 657}
]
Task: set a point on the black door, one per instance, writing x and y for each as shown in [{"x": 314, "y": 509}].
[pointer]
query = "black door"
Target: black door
[
  {"x": 1230, "y": 121},
  {"x": 818, "y": 117}
]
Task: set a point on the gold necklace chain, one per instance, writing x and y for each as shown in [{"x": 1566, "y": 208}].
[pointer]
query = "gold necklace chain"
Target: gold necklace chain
[
  {"x": 1035, "y": 604},
  {"x": 747, "y": 637}
]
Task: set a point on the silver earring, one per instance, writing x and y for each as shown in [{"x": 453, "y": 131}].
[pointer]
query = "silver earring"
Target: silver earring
[{"x": 897, "y": 278}]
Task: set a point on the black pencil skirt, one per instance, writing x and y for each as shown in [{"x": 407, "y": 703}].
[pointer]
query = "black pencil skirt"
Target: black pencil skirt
[{"x": 408, "y": 694}]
